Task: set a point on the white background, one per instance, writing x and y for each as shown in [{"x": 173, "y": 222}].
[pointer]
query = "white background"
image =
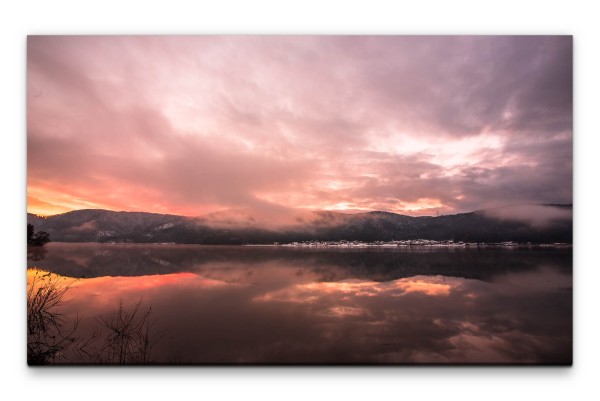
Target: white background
[{"x": 21, "y": 18}]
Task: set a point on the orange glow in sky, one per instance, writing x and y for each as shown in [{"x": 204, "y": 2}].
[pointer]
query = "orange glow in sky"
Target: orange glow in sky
[{"x": 190, "y": 125}]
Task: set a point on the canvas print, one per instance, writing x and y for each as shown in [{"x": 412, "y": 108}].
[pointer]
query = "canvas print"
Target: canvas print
[{"x": 286, "y": 200}]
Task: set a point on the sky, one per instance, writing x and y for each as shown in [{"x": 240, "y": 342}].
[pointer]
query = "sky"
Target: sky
[{"x": 189, "y": 125}]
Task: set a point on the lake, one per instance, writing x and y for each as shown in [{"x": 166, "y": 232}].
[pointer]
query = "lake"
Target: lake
[{"x": 277, "y": 305}]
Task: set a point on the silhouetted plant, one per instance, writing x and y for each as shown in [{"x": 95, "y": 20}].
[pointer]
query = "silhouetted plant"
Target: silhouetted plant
[
  {"x": 49, "y": 333},
  {"x": 128, "y": 340}
]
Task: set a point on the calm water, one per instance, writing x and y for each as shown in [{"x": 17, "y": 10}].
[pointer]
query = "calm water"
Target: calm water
[{"x": 280, "y": 305}]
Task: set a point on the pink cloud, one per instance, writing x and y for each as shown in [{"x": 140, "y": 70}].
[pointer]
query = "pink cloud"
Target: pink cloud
[{"x": 194, "y": 124}]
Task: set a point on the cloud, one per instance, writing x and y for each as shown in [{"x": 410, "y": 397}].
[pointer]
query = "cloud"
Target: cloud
[
  {"x": 195, "y": 124},
  {"x": 535, "y": 215}
]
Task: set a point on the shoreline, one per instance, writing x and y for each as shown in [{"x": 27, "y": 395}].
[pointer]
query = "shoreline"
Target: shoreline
[
  {"x": 340, "y": 244},
  {"x": 415, "y": 243}
]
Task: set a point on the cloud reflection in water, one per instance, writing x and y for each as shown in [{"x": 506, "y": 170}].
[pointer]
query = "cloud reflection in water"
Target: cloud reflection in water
[{"x": 278, "y": 311}]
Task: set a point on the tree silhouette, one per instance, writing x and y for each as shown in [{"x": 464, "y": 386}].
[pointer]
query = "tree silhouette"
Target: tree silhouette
[
  {"x": 30, "y": 232},
  {"x": 40, "y": 238}
]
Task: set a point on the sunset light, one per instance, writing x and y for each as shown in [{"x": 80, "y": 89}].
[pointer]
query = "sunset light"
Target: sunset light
[
  {"x": 304, "y": 123},
  {"x": 299, "y": 200}
]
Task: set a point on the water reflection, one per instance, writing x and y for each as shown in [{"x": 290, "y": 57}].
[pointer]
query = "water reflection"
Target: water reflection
[{"x": 235, "y": 305}]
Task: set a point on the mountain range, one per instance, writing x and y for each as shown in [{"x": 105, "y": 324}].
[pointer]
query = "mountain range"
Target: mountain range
[{"x": 518, "y": 223}]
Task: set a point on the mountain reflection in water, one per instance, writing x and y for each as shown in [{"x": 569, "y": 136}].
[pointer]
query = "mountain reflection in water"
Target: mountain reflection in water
[{"x": 274, "y": 305}]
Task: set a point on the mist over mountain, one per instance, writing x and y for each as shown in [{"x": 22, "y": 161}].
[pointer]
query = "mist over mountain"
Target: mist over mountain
[{"x": 521, "y": 223}]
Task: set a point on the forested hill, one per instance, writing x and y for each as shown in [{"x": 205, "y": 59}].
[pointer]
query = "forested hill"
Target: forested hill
[{"x": 523, "y": 223}]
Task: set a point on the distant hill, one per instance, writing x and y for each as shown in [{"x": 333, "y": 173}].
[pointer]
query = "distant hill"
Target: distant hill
[{"x": 520, "y": 223}]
